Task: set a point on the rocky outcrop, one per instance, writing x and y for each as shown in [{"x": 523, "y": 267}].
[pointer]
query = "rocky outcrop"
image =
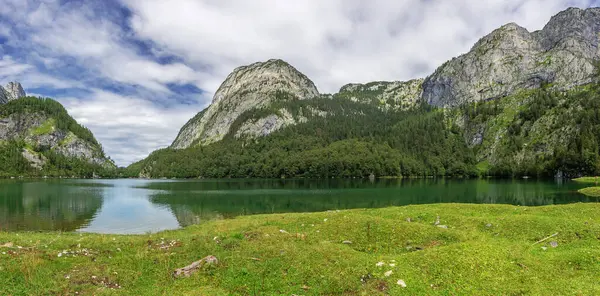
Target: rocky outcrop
[
  {"x": 12, "y": 91},
  {"x": 249, "y": 87},
  {"x": 396, "y": 95},
  {"x": 511, "y": 58}
]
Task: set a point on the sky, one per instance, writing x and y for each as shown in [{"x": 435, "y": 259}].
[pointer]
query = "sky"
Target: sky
[{"x": 135, "y": 71}]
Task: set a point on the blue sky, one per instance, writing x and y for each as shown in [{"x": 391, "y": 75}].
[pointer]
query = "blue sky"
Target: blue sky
[{"x": 134, "y": 71}]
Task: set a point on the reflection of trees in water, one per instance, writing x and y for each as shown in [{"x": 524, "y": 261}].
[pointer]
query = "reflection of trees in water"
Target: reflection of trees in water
[
  {"x": 50, "y": 205},
  {"x": 194, "y": 202}
]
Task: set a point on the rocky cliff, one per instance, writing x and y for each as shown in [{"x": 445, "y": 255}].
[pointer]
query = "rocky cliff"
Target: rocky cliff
[
  {"x": 510, "y": 58},
  {"x": 249, "y": 87},
  {"x": 12, "y": 91}
]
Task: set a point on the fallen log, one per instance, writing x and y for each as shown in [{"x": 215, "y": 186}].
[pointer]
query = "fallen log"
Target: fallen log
[{"x": 195, "y": 266}]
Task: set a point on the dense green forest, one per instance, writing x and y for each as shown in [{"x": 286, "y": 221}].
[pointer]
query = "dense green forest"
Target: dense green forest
[
  {"x": 11, "y": 149},
  {"x": 353, "y": 140}
]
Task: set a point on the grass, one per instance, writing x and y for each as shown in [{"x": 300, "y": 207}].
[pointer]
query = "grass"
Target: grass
[
  {"x": 46, "y": 128},
  {"x": 485, "y": 250},
  {"x": 588, "y": 180},
  {"x": 590, "y": 191}
]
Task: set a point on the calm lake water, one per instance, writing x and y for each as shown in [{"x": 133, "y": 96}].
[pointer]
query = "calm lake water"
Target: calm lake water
[{"x": 140, "y": 206}]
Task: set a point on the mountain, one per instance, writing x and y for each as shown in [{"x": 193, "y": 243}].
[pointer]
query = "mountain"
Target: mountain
[
  {"x": 249, "y": 87},
  {"x": 37, "y": 136},
  {"x": 511, "y": 58},
  {"x": 518, "y": 103}
]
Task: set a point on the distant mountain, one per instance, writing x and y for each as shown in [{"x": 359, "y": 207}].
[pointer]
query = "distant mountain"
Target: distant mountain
[
  {"x": 519, "y": 102},
  {"x": 38, "y": 137}
]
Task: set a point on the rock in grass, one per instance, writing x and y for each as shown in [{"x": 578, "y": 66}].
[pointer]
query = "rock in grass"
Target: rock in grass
[{"x": 195, "y": 266}]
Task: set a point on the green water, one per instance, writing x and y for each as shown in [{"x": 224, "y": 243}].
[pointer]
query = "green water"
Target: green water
[{"x": 139, "y": 206}]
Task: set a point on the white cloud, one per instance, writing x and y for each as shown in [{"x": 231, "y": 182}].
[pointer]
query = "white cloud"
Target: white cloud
[
  {"x": 128, "y": 127},
  {"x": 10, "y": 70},
  {"x": 333, "y": 42},
  {"x": 98, "y": 45}
]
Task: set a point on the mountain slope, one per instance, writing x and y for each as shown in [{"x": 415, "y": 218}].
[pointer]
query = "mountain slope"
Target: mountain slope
[
  {"x": 39, "y": 137},
  {"x": 249, "y": 87}
]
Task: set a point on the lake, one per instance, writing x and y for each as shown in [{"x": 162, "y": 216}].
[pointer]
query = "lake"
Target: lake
[{"x": 129, "y": 206}]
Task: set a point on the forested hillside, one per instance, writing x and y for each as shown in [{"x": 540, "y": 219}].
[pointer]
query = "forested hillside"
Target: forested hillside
[
  {"x": 39, "y": 138},
  {"x": 541, "y": 132},
  {"x": 352, "y": 140}
]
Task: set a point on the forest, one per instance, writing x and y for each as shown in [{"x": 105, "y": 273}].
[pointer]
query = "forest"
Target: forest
[{"x": 353, "y": 140}]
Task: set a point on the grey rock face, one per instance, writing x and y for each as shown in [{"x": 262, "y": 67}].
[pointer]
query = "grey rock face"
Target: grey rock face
[
  {"x": 12, "y": 91},
  {"x": 388, "y": 95},
  {"x": 249, "y": 87},
  {"x": 511, "y": 58},
  {"x": 35, "y": 160},
  {"x": 265, "y": 125}
]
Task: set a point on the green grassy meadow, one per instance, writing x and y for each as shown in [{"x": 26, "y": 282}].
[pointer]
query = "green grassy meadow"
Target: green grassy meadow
[{"x": 474, "y": 250}]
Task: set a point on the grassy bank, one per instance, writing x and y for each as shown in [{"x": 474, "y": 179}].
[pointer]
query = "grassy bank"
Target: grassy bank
[
  {"x": 588, "y": 180},
  {"x": 485, "y": 250},
  {"x": 590, "y": 191}
]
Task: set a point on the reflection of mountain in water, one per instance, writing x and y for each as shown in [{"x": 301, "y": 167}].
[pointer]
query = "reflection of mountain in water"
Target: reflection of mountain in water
[
  {"x": 50, "y": 205},
  {"x": 194, "y": 202}
]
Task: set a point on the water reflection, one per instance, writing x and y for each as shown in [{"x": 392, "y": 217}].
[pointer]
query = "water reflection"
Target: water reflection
[
  {"x": 139, "y": 206},
  {"x": 47, "y": 205},
  {"x": 198, "y": 201}
]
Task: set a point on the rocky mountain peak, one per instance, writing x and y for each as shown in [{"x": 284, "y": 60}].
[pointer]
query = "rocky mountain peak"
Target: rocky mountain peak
[
  {"x": 248, "y": 87},
  {"x": 511, "y": 58},
  {"x": 12, "y": 91}
]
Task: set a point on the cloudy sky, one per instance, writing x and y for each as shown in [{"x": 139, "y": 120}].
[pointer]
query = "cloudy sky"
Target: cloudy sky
[{"x": 134, "y": 71}]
